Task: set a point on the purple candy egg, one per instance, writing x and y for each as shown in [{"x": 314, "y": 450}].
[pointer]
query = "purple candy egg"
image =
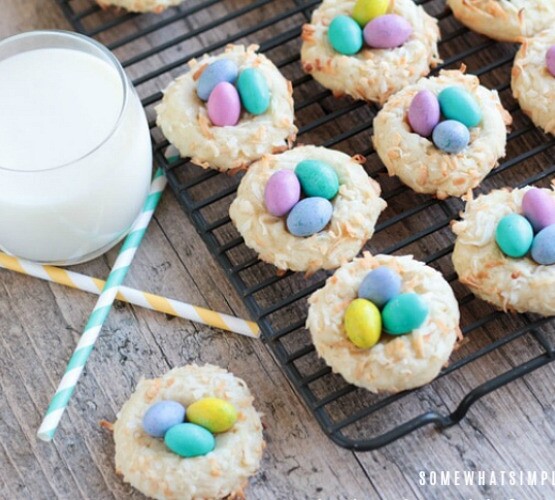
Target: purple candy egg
[
  {"x": 550, "y": 60},
  {"x": 538, "y": 206},
  {"x": 224, "y": 105},
  {"x": 424, "y": 113},
  {"x": 387, "y": 32},
  {"x": 282, "y": 193}
]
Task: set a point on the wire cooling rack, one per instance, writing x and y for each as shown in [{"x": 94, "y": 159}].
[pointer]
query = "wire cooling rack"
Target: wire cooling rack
[{"x": 498, "y": 348}]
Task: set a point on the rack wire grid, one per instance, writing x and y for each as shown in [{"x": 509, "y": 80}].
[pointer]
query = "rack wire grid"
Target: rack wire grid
[{"x": 498, "y": 348}]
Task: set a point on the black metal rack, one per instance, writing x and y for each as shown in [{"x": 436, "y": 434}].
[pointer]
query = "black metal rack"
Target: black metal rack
[{"x": 155, "y": 48}]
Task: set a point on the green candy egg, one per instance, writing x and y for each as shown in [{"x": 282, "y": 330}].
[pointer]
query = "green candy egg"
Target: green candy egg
[
  {"x": 189, "y": 440},
  {"x": 458, "y": 104},
  {"x": 404, "y": 313},
  {"x": 363, "y": 323},
  {"x": 254, "y": 91},
  {"x": 345, "y": 35},
  {"x": 214, "y": 414},
  {"x": 317, "y": 179},
  {"x": 514, "y": 235}
]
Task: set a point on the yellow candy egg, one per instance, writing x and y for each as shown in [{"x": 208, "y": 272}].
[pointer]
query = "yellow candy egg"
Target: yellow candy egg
[
  {"x": 214, "y": 414},
  {"x": 366, "y": 10},
  {"x": 363, "y": 323}
]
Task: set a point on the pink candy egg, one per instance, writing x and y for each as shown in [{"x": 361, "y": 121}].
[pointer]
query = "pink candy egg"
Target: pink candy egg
[
  {"x": 539, "y": 208},
  {"x": 387, "y": 32},
  {"x": 224, "y": 105},
  {"x": 283, "y": 191},
  {"x": 550, "y": 60},
  {"x": 424, "y": 113}
]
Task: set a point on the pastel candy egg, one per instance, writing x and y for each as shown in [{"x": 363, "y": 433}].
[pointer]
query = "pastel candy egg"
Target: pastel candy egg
[
  {"x": 404, "y": 313},
  {"x": 254, "y": 91},
  {"x": 550, "y": 60},
  {"x": 317, "y": 179},
  {"x": 514, "y": 235},
  {"x": 345, "y": 35},
  {"x": 543, "y": 247},
  {"x": 387, "y": 32},
  {"x": 222, "y": 70},
  {"x": 282, "y": 193},
  {"x": 424, "y": 113},
  {"x": 309, "y": 216},
  {"x": 366, "y": 10},
  {"x": 458, "y": 104},
  {"x": 162, "y": 416},
  {"x": 451, "y": 136},
  {"x": 224, "y": 105},
  {"x": 214, "y": 414},
  {"x": 380, "y": 286},
  {"x": 539, "y": 208},
  {"x": 363, "y": 323},
  {"x": 189, "y": 440}
]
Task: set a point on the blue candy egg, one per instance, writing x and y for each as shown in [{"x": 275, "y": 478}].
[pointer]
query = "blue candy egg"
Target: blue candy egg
[
  {"x": 514, "y": 235},
  {"x": 380, "y": 286},
  {"x": 222, "y": 70},
  {"x": 190, "y": 440},
  {"x": 451, "y": 136},
  {"x": 543, "y": 247},
  {"x": 161, "y": 416},
  {"x": 309, "y": 216},
  {"x": 345, "y": 35}
]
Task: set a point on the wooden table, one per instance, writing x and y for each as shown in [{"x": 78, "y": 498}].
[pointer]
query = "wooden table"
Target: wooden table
[{"x": 512, "y": 429}]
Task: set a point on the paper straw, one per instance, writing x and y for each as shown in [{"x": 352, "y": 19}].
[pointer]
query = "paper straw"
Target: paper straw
[
  {"x": 132, "y": 296},
  {"x": 59, "y": 402}
]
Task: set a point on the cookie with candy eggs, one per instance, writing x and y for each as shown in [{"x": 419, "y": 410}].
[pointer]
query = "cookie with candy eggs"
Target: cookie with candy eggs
[
  {"x": 306, "y": 209},
  {"x": 193, "y": 433},
  {"x": 229, "y": 110},
  {"x": 533, "y": 79},
  {"x": 504, "y": 20},
  {"x": 385, "y": 323},
  {"x": 369, "y": 49},
  {"x": 442, "y": 135},
  {"x": 156, "y": 6},
  {"x": 505, "y": 249}
]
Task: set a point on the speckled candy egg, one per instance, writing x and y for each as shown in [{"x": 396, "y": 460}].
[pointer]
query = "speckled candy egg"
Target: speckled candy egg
[
  {"x": 309, "y": 216},
  {"x": 282, "y": 192},
  {"x": 457, "y": 103},
  {"x": 451, "y": 136},
  {"x": 424, "y": 113},
  {"x": 538, "y": 206},
  {"x": 214, "y": 414},
  {"x": 161, "y": 416},
  {"x": 317, "y": 178},
  {"x": 366, "y": 10},
  {"x": 514, "y": 235},
  {"x": 224, "y": 105},
  {"x": 380, "y": 286},
  {"x": 543, "y": 247},
  {"x": 387, "y": 32},
  {"x": 404, "y": 313},
  {"x": 222, "y": 70},
  {"x": 363, "y": 323},
  {"x": 550, "y": 60},
  {"x": 189, "y": 440},
  {"x": 345, "y": 35},
  {"x": 254, "y": 91}
]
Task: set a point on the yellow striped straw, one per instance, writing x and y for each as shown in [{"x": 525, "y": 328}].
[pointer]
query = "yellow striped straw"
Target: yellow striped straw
[{"x": 132, "y": 296}]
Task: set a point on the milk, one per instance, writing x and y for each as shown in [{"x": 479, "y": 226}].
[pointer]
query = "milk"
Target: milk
[{"x": 75, "y": 163}]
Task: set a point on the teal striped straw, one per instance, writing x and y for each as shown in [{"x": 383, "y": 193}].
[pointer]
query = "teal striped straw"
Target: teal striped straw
[{"x": 76, "y": 364}]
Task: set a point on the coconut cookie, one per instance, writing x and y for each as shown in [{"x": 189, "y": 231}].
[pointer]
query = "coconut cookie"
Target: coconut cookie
[
  {"x": 369, "y": 49},
  {"x": 192, "y": 433},
  {"x": 533, "y": 79},
  {"x": 444, "y": 157},
  {"x": 385, "y": 323},
  {"x": 156, "y": 6},
  {"x": 307, "y": 209},
  {"x": 504, "y": 20},
  {"x": 229, "y": 110},
  {"x": 505, "y": 249}
]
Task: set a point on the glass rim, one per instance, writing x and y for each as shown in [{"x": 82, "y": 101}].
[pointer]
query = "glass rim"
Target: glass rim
[{"x": 112, "y": 60}]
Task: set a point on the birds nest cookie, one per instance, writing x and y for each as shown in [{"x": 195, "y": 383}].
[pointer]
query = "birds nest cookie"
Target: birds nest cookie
[
  {"x": 229, "y": 110},
  {"x": 156, "y": 6},
  {"x": 397, "y": 46},
  {"x": 505, "y": 249},
  {"x": 533, "y": 79},
  {"x": 307, "y": 209},
  {"x": 385, "y": 323},
  {"x": 504, "y": 20},
  {"x": 443, "y": 157},
  {"x": 211, "y": 455}
]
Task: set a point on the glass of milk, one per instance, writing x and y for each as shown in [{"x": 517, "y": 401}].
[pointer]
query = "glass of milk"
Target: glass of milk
[{"x": 75, "y": 151}]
